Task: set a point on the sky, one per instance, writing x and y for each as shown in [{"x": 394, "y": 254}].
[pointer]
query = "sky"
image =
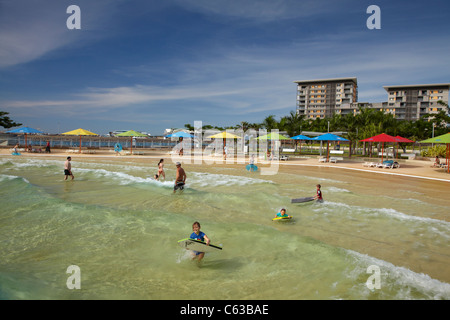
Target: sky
[{"x": 150, "y": 65}]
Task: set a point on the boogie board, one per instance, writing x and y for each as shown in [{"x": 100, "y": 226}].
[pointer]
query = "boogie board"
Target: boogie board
[
  {"x": 198, "y": 245},
  {"x": 251, "y": 167},
  {"x": 300, "y": 200},
  {"x": 281, "y": 218}
]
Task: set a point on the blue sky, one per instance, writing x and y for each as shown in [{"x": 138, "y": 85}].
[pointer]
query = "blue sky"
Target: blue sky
[{"x": 150, "y": 65}]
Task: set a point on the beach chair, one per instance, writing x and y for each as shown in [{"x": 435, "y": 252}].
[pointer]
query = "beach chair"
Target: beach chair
[
  {"x": 322, "y": 159},
  {"x": 369, "y": 164}
]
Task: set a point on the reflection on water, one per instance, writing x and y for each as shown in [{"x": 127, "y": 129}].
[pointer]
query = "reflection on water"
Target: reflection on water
[{"x": 121, "y": 228}]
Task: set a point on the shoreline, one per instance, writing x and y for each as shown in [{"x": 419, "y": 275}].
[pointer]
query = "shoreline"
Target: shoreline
[{"x": 418, "y": 169}]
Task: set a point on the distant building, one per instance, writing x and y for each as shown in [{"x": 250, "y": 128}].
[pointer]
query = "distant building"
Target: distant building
[
  {"x": 410, "y": 102},
  {"x": 322, "y": 98}
]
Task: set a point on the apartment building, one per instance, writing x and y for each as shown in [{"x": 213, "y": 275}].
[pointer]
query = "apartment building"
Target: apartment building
[
  {"x": 410, "y": 102},
  {"x": 324, "y": 97}
]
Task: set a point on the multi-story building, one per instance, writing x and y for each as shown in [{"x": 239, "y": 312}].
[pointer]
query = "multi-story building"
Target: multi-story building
[
  {"x": 410, "y": 102},
  {"x": 324, "y": 97}
]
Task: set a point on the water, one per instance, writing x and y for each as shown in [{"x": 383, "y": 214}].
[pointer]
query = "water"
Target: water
[{"x": 121, "y": 228}]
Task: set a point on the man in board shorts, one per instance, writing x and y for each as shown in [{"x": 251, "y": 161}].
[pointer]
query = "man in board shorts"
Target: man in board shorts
[
  {"x": 180, "y": 179},
  {"x": 68, "y": 168}
]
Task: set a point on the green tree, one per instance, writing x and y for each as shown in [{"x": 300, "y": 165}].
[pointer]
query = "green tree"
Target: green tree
[{"x": 6, "y": 122}]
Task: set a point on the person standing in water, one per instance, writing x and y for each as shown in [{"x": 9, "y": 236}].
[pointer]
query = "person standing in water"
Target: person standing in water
[
  {"x": 180, "y": 178},
  {"x": 161, "y": 172},
  {"x": 200, "y": 236},
  {"x": 68, "y": 168},
  {"x": 318, "y": 195}
]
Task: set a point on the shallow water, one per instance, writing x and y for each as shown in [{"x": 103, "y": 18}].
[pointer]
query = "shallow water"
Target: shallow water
[{"x": 120, "y": 227}]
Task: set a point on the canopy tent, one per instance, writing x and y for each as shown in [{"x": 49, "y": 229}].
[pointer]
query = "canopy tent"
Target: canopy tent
[
  {"x": 328, "y": 137},
  {"x": 445, "y": 138},
  {"x": 131, "y": 133},
  {"x": 25, "y": 131},
  {"x": 382, "y": 138},
  {"x": 80, "y": 132}
]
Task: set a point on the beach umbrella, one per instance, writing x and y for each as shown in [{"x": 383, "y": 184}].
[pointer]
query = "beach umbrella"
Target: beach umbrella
[
  {"x": 224, "y": 135},
  {"x": 273, "y": 136},
  {"x": 328, "y": 137},
  {"x": 131, "y": 133},
  {"x": 80, "y": 132},
  {"x": 301, "y": 137},
  {"x": 445, "y": 138},
  {"x": 381, "y": 138},
  {"x": 25, "y": 131},
  {"x": 180, "y": 134}
]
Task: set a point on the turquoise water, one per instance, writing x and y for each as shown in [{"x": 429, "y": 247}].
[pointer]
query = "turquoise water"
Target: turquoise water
[{"x": 120, "y": 227}]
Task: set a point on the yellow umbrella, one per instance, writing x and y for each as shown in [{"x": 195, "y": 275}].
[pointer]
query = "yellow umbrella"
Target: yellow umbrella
[
  {"x": 80, "y": 132},
  {"x": 224, "y": 135}
]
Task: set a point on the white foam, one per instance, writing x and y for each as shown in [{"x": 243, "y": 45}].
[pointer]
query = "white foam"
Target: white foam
[{"x": 405, "y": 278}]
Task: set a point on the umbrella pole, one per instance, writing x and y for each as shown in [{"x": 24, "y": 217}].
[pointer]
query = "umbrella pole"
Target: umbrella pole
[
  {"x": 328, "y": 151},
  {"x": 80, "y": 143},
  {"x": 131, "y": 148}
]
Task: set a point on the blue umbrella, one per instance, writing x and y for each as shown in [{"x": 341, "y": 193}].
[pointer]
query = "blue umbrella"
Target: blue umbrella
[
  {"x": 329, "y": 137},
  {"x": 25, "y": 130},
  {"x": 180, "y": 134},
  {"x": 301, "y": 137}
]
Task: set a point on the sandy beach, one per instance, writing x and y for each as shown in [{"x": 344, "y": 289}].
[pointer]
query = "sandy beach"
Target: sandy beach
[{"x": 420, "y": 169}]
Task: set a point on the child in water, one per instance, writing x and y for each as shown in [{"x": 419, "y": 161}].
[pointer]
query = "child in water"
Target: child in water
[
  {"x": 201, "y": 236},
  {"x": 318, "y": 195},
  {"x": 282, "y": 214}
]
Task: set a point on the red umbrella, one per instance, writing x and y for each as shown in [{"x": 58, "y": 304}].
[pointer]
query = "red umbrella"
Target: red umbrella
[{"x": 381, "y": 138}]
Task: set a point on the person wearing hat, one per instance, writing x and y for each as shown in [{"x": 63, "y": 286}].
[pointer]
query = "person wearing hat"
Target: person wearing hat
[{"x": 180, "y": 179}]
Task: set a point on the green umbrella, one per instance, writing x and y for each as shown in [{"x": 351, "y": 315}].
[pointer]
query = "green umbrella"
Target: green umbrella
[
  {"x": 273, "y": 136},
  {"x": 131, "y": 133},
  {"x": 445, "y": 138}
]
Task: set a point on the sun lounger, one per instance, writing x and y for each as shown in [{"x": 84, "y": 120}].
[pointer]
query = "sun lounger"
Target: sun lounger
[
  {"x": 369, "y": 164},
  {"x": 322, "y": 159}
]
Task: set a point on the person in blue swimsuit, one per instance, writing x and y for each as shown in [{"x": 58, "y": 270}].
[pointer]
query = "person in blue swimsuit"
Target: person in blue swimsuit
[{"x": 201, "y": 236}]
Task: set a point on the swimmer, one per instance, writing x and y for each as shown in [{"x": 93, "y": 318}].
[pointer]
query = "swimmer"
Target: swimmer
[{"x": 282, "y": 214}]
